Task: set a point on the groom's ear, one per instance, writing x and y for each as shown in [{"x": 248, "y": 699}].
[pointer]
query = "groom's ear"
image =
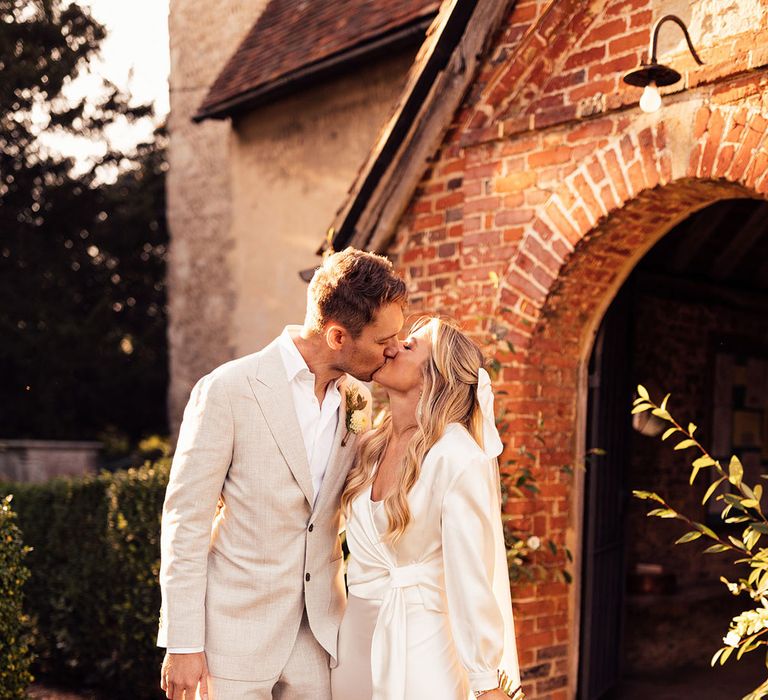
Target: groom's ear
[{"x": 335, "y": 335}]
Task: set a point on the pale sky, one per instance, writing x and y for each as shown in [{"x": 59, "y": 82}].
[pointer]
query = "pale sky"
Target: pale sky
[
  {"x": 134, "y": 56},
  {"x": 137, "y": 39}
]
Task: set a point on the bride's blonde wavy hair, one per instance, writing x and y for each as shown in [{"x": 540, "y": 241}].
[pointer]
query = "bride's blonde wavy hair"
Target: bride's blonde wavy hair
[{"x": 449, "y": 395}]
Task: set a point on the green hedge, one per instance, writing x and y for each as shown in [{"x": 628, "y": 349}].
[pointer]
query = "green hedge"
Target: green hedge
[
  {"x": 15, "y": 656},
  {"x": 93, "y": 594}
]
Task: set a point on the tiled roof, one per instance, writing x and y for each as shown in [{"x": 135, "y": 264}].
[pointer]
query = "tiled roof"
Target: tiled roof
[{"x": 293, "y": 37}]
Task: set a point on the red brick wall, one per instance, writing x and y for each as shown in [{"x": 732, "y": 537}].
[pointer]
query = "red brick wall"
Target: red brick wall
[{"x": 549, "y": 186}]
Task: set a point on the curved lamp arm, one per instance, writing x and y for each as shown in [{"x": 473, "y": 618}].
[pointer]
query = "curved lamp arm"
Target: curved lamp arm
[{"x": 655, "y": 37}]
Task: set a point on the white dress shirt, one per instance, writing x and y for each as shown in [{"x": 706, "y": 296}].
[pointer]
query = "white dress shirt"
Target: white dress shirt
[{"x": 318, "y": 423}]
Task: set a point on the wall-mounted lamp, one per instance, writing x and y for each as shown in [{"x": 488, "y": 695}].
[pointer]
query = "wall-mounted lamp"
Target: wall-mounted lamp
[{"x": 653, "y": 75}]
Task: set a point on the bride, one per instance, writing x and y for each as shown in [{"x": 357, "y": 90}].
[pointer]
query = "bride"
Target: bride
[{"x": 429, "y": 612}]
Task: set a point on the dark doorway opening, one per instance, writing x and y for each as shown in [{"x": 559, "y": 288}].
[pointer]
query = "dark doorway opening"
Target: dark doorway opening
[{"x": 692, "y": 320}]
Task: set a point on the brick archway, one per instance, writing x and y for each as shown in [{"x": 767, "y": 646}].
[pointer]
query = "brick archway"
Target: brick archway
[
  {"x": 576, "y": 253},
  {"x": 727, "y": 156}
]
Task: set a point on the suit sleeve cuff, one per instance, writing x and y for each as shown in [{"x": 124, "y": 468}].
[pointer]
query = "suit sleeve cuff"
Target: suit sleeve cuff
[{"x": 184, "y": 650}]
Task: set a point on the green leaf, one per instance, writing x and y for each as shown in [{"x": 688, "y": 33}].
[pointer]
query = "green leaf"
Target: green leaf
[
  {"x": 736, "y": 543},
  {"x": 663, "y": 406},
  {"x": 750, "y": 538},
  {"x": 748, "y": 492},
  {"x": 715, "y": 548},
  {"x": 717, "y": 656},
  {"x": 648, "y": 495},
  {"x": 660, "y": 413},
  {"x": 692, "y": 428},
  {"x": 745, "y": 645},
  {"x": 668, "y": 432},
  {"x": 705, "y": 530},
  {"x": 684, "y": 444},
  {"x": 688, "y": 537},
  {"x": 705, "y": 461},
  {"x": 642, "y": 407},
  {"x": 732, "y": 499},
  {"x": 760, "y": 527},
  {"x": 662, "y": 513},
  {"x": 735, "y": 471},
  {"x": 712, "y": 488},
  {"x": 642, "y": 391}
]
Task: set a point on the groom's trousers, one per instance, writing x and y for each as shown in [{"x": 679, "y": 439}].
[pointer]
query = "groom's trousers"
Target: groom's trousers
[{"x": 306, "y": 676}]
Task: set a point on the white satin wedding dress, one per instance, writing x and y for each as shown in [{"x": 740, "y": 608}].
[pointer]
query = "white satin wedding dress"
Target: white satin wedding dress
[{"x": 432, "y": 616}]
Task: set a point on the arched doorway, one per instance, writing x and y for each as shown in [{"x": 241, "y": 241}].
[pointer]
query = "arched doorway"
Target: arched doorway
[
  {"x": 691, "y": 319},
  {"x": 576, "y": 253}
]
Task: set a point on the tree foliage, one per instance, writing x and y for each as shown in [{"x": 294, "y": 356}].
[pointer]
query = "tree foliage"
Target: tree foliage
[{"x": 82, "y": 295}]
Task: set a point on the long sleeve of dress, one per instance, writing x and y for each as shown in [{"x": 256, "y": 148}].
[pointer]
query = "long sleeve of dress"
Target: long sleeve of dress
[{"x": 469, "y": 505}]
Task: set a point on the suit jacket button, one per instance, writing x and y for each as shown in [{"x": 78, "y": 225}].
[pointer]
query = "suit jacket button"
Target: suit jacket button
[
  {"x": 307, "y": 577},
  {"x": 311, "y": 527}
]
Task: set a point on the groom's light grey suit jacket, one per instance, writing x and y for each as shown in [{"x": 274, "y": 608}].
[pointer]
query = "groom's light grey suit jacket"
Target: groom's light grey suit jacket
[{"x": 239, "y": 588}]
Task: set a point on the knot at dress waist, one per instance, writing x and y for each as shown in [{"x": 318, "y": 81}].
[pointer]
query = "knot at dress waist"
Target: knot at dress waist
[{"x": 416, "y": 583}]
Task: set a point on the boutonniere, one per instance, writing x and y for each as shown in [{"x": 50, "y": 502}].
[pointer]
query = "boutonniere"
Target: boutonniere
[{"x": 357, "y": 420}]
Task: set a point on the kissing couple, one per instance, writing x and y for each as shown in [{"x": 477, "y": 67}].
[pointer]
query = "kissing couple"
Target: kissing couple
[{"x": 276, "y": 456}]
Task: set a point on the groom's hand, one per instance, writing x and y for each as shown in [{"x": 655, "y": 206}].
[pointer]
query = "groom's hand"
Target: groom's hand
[{"x": 181, "y": 674}]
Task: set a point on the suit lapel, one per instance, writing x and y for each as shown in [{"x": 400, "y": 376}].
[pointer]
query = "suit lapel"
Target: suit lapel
[{"x": 270, "y": 386}]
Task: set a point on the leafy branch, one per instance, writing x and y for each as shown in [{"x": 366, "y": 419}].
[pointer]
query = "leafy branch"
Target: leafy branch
[{"x": 742, "y": 507}]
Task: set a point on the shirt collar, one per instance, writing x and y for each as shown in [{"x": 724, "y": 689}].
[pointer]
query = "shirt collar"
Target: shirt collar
[{"x": 292, "y": 359}]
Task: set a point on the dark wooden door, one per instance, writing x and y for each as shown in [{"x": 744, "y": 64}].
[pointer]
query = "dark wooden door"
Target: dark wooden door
[{"x": 608, "y": 426}]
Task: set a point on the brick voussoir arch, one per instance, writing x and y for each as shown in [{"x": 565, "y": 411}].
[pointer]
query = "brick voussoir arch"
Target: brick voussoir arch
[
  {"x": 728, "y": 156},
  {"x": 731, "y": 144}
]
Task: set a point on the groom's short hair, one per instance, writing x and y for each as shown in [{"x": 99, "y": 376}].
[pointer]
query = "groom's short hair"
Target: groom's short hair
[{"x": 350, "y": 287}]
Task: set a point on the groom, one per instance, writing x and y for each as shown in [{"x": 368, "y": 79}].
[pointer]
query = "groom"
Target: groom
[{"x": 252, "y": 595}]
